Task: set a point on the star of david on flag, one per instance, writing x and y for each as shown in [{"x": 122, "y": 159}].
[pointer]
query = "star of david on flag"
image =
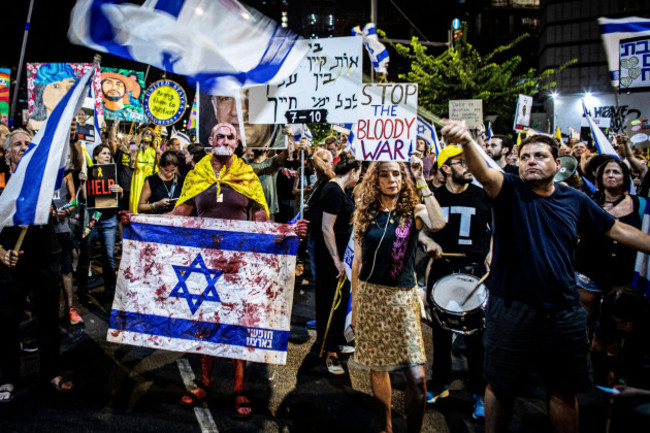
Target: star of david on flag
[
  {"x": 181, "y": 290},
  {"x": 204, "y": 285}
]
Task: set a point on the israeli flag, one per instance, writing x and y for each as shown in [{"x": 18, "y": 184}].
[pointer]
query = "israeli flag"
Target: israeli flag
[
  {"x": 219, "y": 43},
  {"x": 376, "y": 50},
  {"x": 28, "y": 196},
  {"x": 348, "y": 257},
  {"x": 206, "y": 285},
  {"x": 612, "y": 31},
  {"x": 489, "y": 132},
  {"x": 428, "y": 133},
  {"x": 300, "y": 130},
  {"x": 603, "y": 145}
]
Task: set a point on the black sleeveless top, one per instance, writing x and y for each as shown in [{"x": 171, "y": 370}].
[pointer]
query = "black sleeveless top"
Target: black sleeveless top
[{"x": 161, "y": 189}]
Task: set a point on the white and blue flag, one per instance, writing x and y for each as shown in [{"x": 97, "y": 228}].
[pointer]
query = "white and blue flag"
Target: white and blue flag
[
  {"x": 376, "y": 50},
  {"x": 612, "y": 31},
  {"x": 641, "y": 280},
  {"x": 205, "y": 285},
  {"x": 219, "y": 43},
  {"x": 603, "y": 145},
  {"x": 300, "y": 130},
  {"x": 27, "y": 198},
  {"x": 428, "y": 133}
]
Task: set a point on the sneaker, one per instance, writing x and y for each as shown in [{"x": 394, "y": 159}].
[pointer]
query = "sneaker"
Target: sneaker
[
  {"x": 311, "y": 324},
  {"x": 479, "y": 407},
  {"x": 334, "y": 366},
  {"x": 345, "y": 349},
  {"x": 75, "y": 318},
  {"x": 433, "y": 397}
]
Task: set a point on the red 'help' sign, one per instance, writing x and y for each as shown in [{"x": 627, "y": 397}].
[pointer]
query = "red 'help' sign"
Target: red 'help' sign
[{"x": 100, "y": 179}]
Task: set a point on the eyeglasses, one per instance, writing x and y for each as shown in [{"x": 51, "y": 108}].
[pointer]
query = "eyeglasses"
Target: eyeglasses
[
  {"x": 462, "y": 163},
  {"x": 229, "y": 137}
]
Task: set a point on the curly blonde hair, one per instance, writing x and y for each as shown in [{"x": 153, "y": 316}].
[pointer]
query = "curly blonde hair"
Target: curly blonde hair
[{"x": 369, "y": 199}]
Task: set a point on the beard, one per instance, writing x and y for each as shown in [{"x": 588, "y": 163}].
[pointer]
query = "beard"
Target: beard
[
  {"x": 461, "y": 179},
  {"x": 222, "y": 151},
  {"x": 113, "y": 98}
]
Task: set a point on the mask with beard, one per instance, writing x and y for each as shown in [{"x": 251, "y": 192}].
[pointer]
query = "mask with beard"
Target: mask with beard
[{"x": 222, "y": 151}]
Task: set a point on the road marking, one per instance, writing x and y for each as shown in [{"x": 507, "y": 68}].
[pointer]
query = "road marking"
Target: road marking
[{"x": 203, "y": 414}]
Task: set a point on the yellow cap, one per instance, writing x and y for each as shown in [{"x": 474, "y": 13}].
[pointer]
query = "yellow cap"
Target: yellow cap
[{"x": 449, "y": 151}]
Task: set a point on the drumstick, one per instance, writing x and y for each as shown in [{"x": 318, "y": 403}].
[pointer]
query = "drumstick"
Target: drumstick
[
  {"x": 453, "y": 255},
  {"x": 481, "y": 281}
]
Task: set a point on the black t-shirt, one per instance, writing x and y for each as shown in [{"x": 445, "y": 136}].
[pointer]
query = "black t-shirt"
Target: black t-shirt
[
  {"x": 511, "y": 169},
  {"x": 468, "y": 217},
  {"x": 314, "y": 211},
  {"x": 164, "y": 189},
  {"x": 535, "y": 240},
  {"x": 335, "y": 201},
  {"x": 388, "y": 252},
  {"x": 284, "y": 182},
  {"x": 124, "y": 170}
]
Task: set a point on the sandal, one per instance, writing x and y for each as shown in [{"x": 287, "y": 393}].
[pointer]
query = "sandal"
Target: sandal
[
  {"x": 242, "y": 402},
  {"x": 191, "y": 398},
  {"x": 8, "y": 390},
  {"x": 63, "y": 384}
]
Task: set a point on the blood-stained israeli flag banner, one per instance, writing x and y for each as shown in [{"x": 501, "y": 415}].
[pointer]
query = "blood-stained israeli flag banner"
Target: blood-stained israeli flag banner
[{"x": 202, "y": 285}]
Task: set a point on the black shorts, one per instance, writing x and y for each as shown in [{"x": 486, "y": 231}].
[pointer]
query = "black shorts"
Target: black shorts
[
  {"x": 519, "y": 338},
  {"x": 65, "y": 259}
]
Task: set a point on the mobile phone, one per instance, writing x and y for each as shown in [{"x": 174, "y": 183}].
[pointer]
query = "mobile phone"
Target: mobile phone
[
  {"x": 609, "y": 390},
  {"x": 173, "y": 200},
  {"x": 132, "y": 145}
]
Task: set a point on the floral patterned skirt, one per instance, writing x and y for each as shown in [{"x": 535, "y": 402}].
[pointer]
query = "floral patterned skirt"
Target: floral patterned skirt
[{"x": 387, "y": 327}]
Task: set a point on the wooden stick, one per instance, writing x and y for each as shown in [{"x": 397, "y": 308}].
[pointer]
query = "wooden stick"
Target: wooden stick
[
  {"x": 329, "y": 320},
  {"x": 21, "y": 237},
  {"x": 481, "y": 281},
  {"x": 453, "y": 255}
]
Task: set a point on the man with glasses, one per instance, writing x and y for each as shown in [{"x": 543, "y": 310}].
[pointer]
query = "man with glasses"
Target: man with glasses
[{"x": 468, "y": 215}]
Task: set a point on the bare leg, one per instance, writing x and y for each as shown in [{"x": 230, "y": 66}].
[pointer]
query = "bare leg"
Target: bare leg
[
  {"x": 415, "y": 399},
  {"x": 242, "y": 402},
  {"x": 207, "y": 370},
  {"x": 380, "y": 382},
  {"x": 67, "y": 289},
  {"x": 563, "y": 411},
  {"x": 497, "y": 412}
]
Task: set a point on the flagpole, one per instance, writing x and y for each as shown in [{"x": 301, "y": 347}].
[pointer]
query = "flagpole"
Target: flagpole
[
  {"x": 20, "y": 65},
  {"x": 302, "y": 181}
]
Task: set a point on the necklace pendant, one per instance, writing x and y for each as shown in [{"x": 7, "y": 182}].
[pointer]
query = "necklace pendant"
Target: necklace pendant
[
  {"x": 219, "y": 198},
  {"x": 392, "y": 221}
]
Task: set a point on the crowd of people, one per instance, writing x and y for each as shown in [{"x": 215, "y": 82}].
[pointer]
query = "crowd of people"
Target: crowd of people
[{"x": 556, "y": 259}]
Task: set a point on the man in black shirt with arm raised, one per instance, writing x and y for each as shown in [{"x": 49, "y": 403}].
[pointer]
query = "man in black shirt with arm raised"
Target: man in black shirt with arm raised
[{"x": 534, "y": 317}]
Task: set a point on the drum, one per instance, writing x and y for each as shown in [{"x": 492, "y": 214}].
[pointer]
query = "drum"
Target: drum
[{"x": 447, "y": 296}]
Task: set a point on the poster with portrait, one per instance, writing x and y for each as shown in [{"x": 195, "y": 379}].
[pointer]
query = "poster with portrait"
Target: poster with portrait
[
  {"x": 5, "y": 83},
  {"x": 522, "y": 115},
  {"x": 86, "y": 121},
  {"x": 223, "y": 109},
  {"x": 122, "y": 94},
  {"x": 47, "y": 83}
]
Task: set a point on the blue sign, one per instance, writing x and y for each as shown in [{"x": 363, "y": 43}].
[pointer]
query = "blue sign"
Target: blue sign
[{"x": 455, "y": 24}]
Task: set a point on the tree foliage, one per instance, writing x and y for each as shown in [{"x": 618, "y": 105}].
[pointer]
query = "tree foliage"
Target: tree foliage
[{"x": 462, "y": 73}]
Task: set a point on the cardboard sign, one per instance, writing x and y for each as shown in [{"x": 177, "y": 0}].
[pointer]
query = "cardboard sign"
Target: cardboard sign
[
  {"x": 386, "y": 128},
  {"x": 639, "y": 132},
  {"x": 100, "y": 178},
  {"x": 634, "y": 63},
  {"x": 323, "y": 89},
  {"x": 469, "y": 110},
  {"x": 165, "y": 102},
  {"x": 522, "y": 115}
]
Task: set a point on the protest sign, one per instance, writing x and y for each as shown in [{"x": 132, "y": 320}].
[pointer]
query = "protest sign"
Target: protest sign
[
  {"x": 165, "y": 102},
  {"x": 469, "y": 110},
  {"x": 522, "y": 114},
  {"x": 323, "y": 89},
  {"x": 639, "y": 132},
  {"x": 634, "y": 63},
  {"x": 100, "y": 178},
  {"x": 386, "y": 128},
  {"x": 204, "y": 285},
  {"x": 218, "y": 109},
  {"x": 5, "y": 84},
  {"x": 47, "y": 83},
  {"x": 122, "y": 92}
]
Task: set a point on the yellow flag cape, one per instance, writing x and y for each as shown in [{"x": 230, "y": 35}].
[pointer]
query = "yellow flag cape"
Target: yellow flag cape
[{"x": 239, "y": 176}]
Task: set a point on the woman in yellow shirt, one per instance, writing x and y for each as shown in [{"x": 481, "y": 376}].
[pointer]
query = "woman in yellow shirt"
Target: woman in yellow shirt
[{"x": 145, "y": 162}]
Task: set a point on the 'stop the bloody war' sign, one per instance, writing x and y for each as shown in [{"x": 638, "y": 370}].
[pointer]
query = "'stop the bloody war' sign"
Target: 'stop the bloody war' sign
[{"x": 386, "y": 127}]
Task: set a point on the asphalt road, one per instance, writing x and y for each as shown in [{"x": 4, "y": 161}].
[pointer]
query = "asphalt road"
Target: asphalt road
[{"x": 129, "y": 389}]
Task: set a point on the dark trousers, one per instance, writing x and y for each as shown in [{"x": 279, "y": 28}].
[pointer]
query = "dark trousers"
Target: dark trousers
[
  {"x": 441, "y": 366},
  {"x": 326, "y": 283},
  {"x": 43, "y": 280}
]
